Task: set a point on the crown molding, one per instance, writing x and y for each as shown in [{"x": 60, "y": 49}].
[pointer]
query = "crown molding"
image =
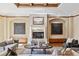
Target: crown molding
[{"x": 49, "y": 16}]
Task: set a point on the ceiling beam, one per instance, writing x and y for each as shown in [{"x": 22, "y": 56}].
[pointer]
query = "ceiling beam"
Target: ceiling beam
[{"x": 23, "y": 5}]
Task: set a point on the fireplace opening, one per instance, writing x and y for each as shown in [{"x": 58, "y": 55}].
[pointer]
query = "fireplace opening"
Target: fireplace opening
[{"x": 38, "y": 35}]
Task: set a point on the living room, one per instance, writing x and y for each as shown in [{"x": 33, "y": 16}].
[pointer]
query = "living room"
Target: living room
[{"x": 39, "y": 29}]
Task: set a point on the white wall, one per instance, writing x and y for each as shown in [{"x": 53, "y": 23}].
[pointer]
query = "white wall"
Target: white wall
[
  {"x": 1, "y": 30},
  {"x": 76, "y": 27}
]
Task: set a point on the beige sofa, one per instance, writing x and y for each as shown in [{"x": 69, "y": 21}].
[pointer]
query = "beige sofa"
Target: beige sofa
[{"x": 5, "y": 45}]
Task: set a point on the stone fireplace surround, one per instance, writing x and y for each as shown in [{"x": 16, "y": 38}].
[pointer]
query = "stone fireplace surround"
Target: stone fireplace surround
[{"x": 38, "y": 28}]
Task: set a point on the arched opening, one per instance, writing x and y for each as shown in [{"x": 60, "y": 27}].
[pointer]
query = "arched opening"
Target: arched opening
[
  {"x": 56, "y": 27},
  {"x": 56, "y": 32}
]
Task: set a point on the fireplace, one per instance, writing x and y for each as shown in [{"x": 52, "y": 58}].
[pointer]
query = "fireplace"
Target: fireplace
[
  {"x": 38, "y": 32},
  {"x": 38, "y": 35}
]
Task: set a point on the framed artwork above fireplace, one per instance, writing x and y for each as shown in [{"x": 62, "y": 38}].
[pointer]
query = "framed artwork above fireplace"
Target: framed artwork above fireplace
[{"x": 38, "y": 21}]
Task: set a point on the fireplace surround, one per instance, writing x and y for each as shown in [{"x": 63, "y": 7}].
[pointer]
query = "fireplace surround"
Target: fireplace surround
[{"x": 38, "y": 32}]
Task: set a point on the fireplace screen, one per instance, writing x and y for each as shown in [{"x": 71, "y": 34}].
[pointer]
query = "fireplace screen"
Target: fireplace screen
[{"x": 38, "y": 35}]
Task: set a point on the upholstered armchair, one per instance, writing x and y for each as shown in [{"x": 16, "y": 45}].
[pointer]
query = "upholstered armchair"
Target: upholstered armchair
[{"x": 22, "y": 42}]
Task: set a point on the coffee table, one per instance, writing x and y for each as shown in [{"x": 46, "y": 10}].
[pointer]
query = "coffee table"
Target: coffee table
[{"x": 44, "y": 48}]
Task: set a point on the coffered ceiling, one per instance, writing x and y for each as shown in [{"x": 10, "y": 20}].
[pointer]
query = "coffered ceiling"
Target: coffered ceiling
[
  {"x": 25, "y": 5},
  {"x": 62, "y": 9}
]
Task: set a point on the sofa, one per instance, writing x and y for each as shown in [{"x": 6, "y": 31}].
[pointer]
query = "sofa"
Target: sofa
[
  {"x": 73, "y": 44},
  {"x": 11, "y": 44}
]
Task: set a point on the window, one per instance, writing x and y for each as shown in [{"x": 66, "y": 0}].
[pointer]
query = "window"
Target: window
[
  {"x": 19, "y": 28},
  {"x": 56, "y": 28}
]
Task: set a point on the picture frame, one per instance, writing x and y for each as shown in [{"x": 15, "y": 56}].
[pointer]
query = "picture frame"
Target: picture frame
[{"x": 38, "y": 21}]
